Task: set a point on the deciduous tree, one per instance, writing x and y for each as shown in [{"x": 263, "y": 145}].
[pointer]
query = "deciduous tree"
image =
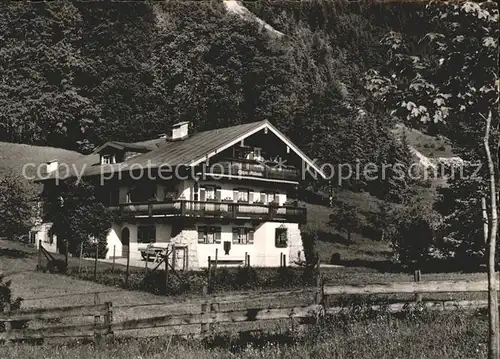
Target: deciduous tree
[
  {"x": 16, "y": 206},
  {"x": 451, "y": 79},
  {"x": 78, "y": 215}
]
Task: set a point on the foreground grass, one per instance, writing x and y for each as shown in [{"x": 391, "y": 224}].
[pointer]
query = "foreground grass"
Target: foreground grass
[{"x": 418, "y": 335}]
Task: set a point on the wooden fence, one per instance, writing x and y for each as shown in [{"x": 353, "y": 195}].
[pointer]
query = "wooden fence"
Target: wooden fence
[
  {"x": 92, "y": 330},
  {"x": 210, "y": 313}
]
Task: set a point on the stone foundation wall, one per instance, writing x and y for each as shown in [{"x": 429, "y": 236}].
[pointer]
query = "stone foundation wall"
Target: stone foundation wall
[
  {"x": 295, "y": 247},
  {"x": 188, "y": 237}
]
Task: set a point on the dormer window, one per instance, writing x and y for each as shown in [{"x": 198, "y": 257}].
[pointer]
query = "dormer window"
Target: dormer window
[{"x": 108, "y": 159}]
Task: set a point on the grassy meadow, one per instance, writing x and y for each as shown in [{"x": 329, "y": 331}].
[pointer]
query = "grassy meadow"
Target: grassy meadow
[{"x": 416, "y": 335}]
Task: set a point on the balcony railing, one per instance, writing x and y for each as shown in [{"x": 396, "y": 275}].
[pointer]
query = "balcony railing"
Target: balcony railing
[
  {"x": 251, "y": 168},
  {"x": 209, "y": 209}
]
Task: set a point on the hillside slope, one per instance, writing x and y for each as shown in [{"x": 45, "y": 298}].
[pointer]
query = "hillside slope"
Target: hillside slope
[{"x": 14, "y": 156}]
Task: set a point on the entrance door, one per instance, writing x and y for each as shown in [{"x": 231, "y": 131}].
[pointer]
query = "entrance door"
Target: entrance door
[{"x": 125, "y": 241}]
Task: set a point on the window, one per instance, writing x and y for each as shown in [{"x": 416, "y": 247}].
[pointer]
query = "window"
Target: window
[
  {"x": 242, "y": 235},
  {"x": 281, "y": 237},
  {"x": 32, "y": 237},
  {"x": 241, "y": 195},
  {"x": 209, "y": 193},
  {"x": 270, "y": 197},
  {"x": 142, "y": 194},
  {"x": 108, "y": 159},
  {"x": 146, "y": 234},
  {"x": 242, "y": 152},
  {"x": 114, "y": 197},
  {"x": 49, "y": 238},
  {"x": 209, "y": 235}
]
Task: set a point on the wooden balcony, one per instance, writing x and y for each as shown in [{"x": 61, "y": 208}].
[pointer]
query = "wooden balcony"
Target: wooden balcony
[
  {"x": 251, "y": 168},
  {"x": 210, "y": 209}
]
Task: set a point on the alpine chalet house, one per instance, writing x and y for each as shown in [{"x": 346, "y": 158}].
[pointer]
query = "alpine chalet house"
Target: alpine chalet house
[{"x": 226, "y": 189}]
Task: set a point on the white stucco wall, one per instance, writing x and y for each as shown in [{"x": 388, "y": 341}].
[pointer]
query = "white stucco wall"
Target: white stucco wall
[
  {"x": 263, "y": 252},
  {"x": 42, "y": 234},
  {"x": 113, "y": 241}
]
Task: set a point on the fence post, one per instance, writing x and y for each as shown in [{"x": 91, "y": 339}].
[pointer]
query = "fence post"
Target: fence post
[
  {"x": 146, "y": 260},
  {"x": 95, "y": 262},
  {"x": 248, "y": 260},
  {"x": 204, "y": 327},
  {"x": 108, "y": 318},
  {"x": 114, "y": 255},
  {"x": 284, "y": 260},
  {"x": 39, "y": 254},
  {"x": 416, "y": 278},
  {"x": 97, "y": 319},
  {"x": 319, "y": 284},
  {"x": 128, "y": 267},
  {"x": 209, "y": 275},
  {"x": 80, "y": 258},
  {"x": 166, "y": 271},
  {"x": 174, "y": 257},
  {"x": 216, "y": 259},
  {"x": 7, "y": 324},
  {"x": 66, "y": 253},
  {"x": 246, "y": 254},
  {"x": 281, "y": 260},
  {"x": 214, "y": 308}
]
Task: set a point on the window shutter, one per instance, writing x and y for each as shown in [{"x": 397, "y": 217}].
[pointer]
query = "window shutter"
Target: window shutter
[
  {"x": 235, "y": 235},
  {"x": 218, "y": 194},
  {"x": 235, "y": 195},
  {"x": 250, "y": 196},
  {"x": 250, "y": 236},
  {"x": 201, "y": 234},
  {"x": 152, "y": 234},
  {"x": 202, "y": 194},
  {"x": 263, "y": 197},
  {"x": 217, "y": 234}
]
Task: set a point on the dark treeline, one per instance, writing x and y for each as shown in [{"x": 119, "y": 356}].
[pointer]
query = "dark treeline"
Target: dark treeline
[{"x": 76, "y": 74}]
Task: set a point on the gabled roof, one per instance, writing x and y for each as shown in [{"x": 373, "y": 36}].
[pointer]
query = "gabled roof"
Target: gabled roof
[{"x": 191, "y": 151}]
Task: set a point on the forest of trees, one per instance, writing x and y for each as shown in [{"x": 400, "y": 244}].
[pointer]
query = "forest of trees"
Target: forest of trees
[{"x": 76, "y": 74}]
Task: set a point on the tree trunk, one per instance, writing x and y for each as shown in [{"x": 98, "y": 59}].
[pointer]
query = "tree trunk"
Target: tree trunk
[{"x": 493, "y": 348}]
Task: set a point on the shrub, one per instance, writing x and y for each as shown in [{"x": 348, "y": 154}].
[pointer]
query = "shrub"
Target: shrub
[
  {"x": 413, "y": 241},
  {"x": 6, "y": 297},
  {"x": 222, "y": 280},
  {"x": 57, "y": 266},
  {"x": 309, "y": 240}
]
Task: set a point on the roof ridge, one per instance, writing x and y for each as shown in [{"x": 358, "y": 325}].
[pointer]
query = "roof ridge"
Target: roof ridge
[{"x": 214, "y": 129}]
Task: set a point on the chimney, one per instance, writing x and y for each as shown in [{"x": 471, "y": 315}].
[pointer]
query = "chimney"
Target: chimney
[
  {"x": 51, "y": 166},
  {"x": 180, "y": 131}
]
